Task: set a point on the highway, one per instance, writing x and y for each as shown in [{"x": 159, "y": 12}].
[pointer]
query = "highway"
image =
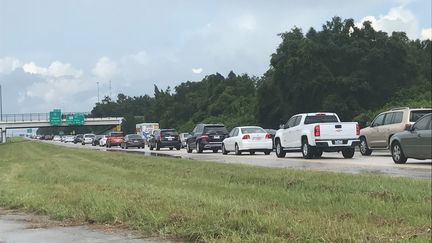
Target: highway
[{"x": 378, "y": 163}]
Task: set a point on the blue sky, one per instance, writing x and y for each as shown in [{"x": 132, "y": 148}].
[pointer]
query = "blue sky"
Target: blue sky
[{"x": 52, "y": 53}]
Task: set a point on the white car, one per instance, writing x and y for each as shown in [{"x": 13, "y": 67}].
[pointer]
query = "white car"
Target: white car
[
  {"x": 102, "y": 141},
  {"x": 248, "y": 139},
  {"x": 57, "y": 138},
  {"x": 88, "y": 138},
  {"x": 69, "y": 139}
]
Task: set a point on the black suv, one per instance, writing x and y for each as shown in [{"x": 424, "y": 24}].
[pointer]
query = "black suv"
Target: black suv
[
  {"x": 78, "y": 138},
  {"x": 206, "y": 137},
  {"x": 164, "y": 138}
]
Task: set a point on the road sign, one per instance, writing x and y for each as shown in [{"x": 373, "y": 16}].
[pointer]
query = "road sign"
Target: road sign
[
  {"x": 76, "y": 119},
  {"x": 55, "y": 117},
  {"x": 29, "y": 130}
]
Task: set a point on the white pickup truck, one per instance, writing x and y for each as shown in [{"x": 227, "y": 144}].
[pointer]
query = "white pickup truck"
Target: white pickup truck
[{"x": 315, "y": 133}]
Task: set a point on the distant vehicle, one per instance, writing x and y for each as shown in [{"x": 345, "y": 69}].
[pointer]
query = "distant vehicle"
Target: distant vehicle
[
  {"x": 57, "y": 138},
  {"x": 378, "y": 134},
  {"x": 48, "y": 137},
  {"x": 78, "y": 138},
  {"x": 415, "y": 142},
  {"x": 69, "y": 139},
  {"x": 114, "y": 139},
  {"x": 164, "y": 138},
  {"x": 102, "y": 141},
  {"x": 206, "y": 137},
  {"x": 183, "y": 137},
  {"x": 146, "y": 129},
  {"x": 315, "y": 133},
  {"x": 132, "y": 140},
  {"x": 88, "y": 138},
  {"x": 96, "y": 140},
  {"x": 248, "y": 139},
  {"x": 272, "y": 132}
]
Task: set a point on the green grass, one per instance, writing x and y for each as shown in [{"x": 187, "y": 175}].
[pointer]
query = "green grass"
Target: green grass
[{"x": 204, "y": 201}]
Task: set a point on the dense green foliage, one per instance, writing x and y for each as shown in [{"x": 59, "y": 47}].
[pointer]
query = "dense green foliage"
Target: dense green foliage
[{"x": 353, "y": 71}]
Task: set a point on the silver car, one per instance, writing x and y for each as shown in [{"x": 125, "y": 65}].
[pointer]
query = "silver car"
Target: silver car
[{"x": 415, "y": 142}]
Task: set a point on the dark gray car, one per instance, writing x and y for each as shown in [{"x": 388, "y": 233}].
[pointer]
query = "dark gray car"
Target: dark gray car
[{"x": 415, "y": 142}]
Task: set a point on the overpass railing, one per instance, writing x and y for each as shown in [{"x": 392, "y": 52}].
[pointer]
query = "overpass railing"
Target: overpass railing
[{"x": 37, "y": 116}]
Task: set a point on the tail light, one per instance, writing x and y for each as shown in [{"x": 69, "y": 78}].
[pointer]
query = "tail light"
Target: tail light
[
  {"x": 358, "y": 129},
  {"x": 204, "y": 136},
  {"x": 317, "y": 131},
  {"x": 268, "y": 136},
  {"x": 246, "y": 136}
]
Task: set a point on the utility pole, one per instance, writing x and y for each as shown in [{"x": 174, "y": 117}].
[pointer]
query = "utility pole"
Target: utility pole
[
  {"x": 98, "y": 91},
  {"x": 1, "y": 104}
]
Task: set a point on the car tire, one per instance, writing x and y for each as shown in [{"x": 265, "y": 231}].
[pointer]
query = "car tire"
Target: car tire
[
  {"x": 267, "y": 152},
  {"x": 237, "y": 150},
  {"x": 397, "y": 153},
  {"x": 280, "y": 153},
  {"x": 125, "y": 146},
  {"x": 151, "y": 147},
  {"x": 364, "y": 149},
  {"x": 251, "y": 152},
  {"x": 188, "y": 149},
  {"x": 215, "y": 150},
  {"x": 224, "y": 151},
  {"x": 348, "y": 153},
  {"x": 171, "y": 148},
  {"x": 318, "y": 153},
  {"x": 157, "y": 146},
  {"x": 199, "y": 148},
  {"x": 178, "y": 147},
  {"x": 307, "y": 150}
]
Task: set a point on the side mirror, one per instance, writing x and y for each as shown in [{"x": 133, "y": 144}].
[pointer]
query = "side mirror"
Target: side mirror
[{"x": 282, "y": 126}]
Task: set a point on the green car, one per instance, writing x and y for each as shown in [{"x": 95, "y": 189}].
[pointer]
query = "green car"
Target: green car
[{"x": 415, "y": 142}]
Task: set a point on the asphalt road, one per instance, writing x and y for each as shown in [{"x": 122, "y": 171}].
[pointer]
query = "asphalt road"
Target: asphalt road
[{"x": 378, "y": 163}]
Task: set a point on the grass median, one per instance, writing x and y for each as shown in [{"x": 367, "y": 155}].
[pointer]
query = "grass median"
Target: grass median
[{"x": 205, "y": 201}]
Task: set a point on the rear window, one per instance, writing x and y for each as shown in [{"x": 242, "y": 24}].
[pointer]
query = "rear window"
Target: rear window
[
  {"x": 415, "y": 115},
  {"x": 217, "y": 130},
  {"x": 89, "y": 136},
  {"x": 253, "y": 130},
  {"x": 135, "y": 136},
  {"x": 320, "y": 119},
  {"x": 170, "y": 133}
]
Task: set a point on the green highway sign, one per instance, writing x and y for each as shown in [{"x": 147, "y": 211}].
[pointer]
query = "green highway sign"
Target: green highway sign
[
  {"x": 29, "y": 130},
  {"x": 55, "y": 117},
  {"x": 76, "y": 119}
]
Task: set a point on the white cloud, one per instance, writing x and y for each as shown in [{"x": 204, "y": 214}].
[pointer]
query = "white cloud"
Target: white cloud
[
  {"x": 197, "y": 70},
  {"x": 397, "y": 19},
  {"x": 8, "y": 64},
  {"x": 426, "y": 34},
  {"x": 246, "y": 22},
  {"x": 56, "y": 69},
  {"x": 105, "y": 68}
]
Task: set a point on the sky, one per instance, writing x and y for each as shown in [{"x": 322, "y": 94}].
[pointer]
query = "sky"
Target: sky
[{"x": 56, "y": 53}]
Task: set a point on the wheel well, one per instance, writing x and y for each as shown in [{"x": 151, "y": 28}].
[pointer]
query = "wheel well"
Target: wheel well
[
  {"x": 388, "y": 141},
  {"x": 304, "y": 138}
]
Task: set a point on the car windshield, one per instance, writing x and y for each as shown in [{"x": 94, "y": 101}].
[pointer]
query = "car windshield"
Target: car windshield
[
  {"x": 89, "y": 136},
  {"x": 134, "y": 136},
  {"x": 217, "y": 130},
  {"x": 415, "y": 115},
  {"x": 253, "y": 130},
  {"x": 169, "y": 133},
  {"x": 320, "y": 119}
]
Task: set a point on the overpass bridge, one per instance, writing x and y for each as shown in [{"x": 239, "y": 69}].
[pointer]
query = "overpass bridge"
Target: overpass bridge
[{"x": 38, "y": 120}]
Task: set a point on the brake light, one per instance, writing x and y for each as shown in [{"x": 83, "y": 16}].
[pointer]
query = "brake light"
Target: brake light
[
  {"x": 358, "y": 129},
  {"x": 408, "y": 126},
  {"x": 268, "y": 136},
  {"x": 317, "y": 131},
  {"x": 204, "y": 136},
  {"x": 246, "y": 136}
]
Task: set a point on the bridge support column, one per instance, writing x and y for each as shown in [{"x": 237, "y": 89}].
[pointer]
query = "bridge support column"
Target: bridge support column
[{"x": 3, "y": 135}]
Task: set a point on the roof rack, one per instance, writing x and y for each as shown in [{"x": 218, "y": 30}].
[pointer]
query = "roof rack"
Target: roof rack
[{"x": 399, "y": 108}]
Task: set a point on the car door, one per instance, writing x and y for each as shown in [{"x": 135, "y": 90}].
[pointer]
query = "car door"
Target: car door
[
  {"x": 285, "y": 133},
  {"x": 295, "y": 133},
  {"x": 196, "y": 132},
  {"x": 418, "y": 143},
  {"x": 374, "y": 139},
  {"x": 228, "y": 142}
]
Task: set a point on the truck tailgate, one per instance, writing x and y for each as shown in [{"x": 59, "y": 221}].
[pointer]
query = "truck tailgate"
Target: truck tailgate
[{"x": 341, "y": 130}]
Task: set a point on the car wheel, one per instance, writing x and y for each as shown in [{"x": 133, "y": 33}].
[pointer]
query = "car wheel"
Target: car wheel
[
  {"x": 267, "y": 152},
  {"x": 348, "y": 153},
  {"x": 125, "y": 146},
  {"x": 237, "y": 150},
  {"x": 178, "y": 147},
  {"x": 224, "y": 151},
  {"x": 307, "y": 150},
  {"x": 151, "y": 147},
  {"x": 252, "y": 152},
  {"x": 188, "y": 149},
  {"x": 157, "y": 146},
  {"x": 199, "y": 148},
  {"x": 318, "y": 154},
  {"x": 215, "y": 150},
  {"x": 171, "y": 148},
  {"x": 397, "y": 153},
  {"x": 280, "y": 153},
  {"x": 364, "y": 149}
]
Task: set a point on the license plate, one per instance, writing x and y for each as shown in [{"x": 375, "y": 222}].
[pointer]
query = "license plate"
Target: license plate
[
  {"x": 256, "y": 138},
  {"x": 338, "y": 142},
  {"x": 169, "y": 139},
  {"x": 216, "y": 137}
]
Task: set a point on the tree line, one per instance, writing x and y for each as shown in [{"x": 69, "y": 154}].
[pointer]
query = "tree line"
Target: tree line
[{"x": 353, "y": 71}]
